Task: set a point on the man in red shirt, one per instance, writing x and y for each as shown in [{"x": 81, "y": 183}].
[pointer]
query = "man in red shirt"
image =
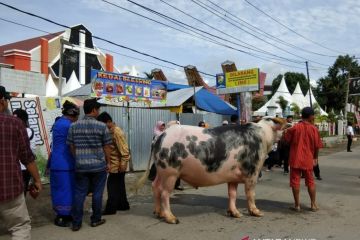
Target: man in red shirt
[
  {"x": 305, "y": 142},
  {"x": 14, "y": 146}
]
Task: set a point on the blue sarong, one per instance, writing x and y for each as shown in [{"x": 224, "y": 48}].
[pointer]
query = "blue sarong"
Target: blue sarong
[{"x": 62, "y": 190}]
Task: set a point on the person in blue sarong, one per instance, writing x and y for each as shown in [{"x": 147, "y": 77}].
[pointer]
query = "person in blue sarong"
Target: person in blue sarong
[{"x": 61, "y": 165}]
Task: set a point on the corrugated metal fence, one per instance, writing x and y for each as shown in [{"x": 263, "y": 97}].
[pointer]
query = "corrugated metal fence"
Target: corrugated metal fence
[{"x": 138, "y": 124}]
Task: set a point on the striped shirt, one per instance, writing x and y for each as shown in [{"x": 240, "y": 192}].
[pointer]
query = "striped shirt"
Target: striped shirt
[{"x": 89, "y": 136}]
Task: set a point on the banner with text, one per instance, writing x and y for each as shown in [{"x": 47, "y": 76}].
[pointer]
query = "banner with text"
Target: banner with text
[
  {"x": 42, "y": 112},
  {"x": 114, "y": 87},
  {"x": 240, "y": 81},
  {"x": 354, "y": 86}
]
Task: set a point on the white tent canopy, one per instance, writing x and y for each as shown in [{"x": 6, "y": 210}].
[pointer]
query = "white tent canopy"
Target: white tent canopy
[
  {"x": 313, "y": 101},
  {"x": 72, "y": 84},
  {"x": 297, "y": 97},
  {"x": 51, "y": 88},
  {"x": 281, "y": 91}
]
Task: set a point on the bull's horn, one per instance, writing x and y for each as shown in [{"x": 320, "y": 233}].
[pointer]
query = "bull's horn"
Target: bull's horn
[{"x": 280, "y": 121}]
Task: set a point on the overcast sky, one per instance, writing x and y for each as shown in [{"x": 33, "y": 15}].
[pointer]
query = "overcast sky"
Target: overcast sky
[{"x": 331, "y": 23}]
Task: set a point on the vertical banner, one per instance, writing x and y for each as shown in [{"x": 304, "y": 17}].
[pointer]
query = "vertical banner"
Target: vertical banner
[
  {"x": 42, "y": 112},
  {"x": 357, "y": 115},
  {"x": 354, "y": 86}
]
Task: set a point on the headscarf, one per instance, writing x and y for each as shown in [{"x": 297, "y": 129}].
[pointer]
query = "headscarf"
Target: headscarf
[
  {"x": 70, "y": 109},
  {"x": 157, "y": 130}
]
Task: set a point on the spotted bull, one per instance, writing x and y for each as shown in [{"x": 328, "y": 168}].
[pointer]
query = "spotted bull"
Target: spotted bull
[{"x": 201, "y": 157}]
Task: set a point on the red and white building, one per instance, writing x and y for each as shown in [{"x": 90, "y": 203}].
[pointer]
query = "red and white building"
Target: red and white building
[{"x": 36, "y": 61}]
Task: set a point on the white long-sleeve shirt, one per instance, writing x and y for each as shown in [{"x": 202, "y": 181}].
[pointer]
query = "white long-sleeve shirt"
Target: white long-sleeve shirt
[{"x": 350, "y": 131}]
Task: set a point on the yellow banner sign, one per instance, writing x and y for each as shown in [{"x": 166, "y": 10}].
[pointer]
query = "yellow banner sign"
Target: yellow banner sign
[{"x": 243, "y": 78}]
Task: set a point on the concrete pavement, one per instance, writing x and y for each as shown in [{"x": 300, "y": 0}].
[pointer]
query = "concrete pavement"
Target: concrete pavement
[{"x": 202, "y": 212}]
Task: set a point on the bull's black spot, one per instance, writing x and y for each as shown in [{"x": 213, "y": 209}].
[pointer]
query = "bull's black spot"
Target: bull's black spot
[
  {"x": 161, "y": 164},
  {"x": 211, "y": 153},
  {"x": 177, "y": 152},
  {"x": 164, "y": 154},
  {"x": 159, "y": 153},
  {"x": 156, "y": 146}
]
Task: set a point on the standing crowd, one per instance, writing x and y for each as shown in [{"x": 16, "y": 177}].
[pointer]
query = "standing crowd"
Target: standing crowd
[{"x": 92, "y": 152}]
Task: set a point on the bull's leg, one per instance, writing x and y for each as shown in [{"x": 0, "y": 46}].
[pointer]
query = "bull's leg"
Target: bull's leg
[
  {"x": 167, "y": 187},
  {"x": 156, "y": 187},
  {"x": 232, "y": 193},
  {"x": 250, "y": 195}
]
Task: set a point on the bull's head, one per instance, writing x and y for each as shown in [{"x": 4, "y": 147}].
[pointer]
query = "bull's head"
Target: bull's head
[{"x": 276, "y": 124}]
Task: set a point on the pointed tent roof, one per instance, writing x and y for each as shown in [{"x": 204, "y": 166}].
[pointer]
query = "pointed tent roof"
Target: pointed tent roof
[
  {"x": 51, "y": 90},
  {"x": 134, "y": 72},
  {"x": 298, "y": 97},
  {"x": 71, "y": 85},
  {"x": 281, "y": 91},
  {"x": 313, "y": 100}
]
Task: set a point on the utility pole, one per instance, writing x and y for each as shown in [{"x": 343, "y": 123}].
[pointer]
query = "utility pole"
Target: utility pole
[
  {"x": 347, "y": 95},
  {"x": 308, "y": 78},
  {"x": 61, "y": 66}
]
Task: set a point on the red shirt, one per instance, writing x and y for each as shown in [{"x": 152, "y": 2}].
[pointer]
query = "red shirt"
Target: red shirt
[
  {"x": 304, "y": 140},
  {"x": 14, "y": 145}
]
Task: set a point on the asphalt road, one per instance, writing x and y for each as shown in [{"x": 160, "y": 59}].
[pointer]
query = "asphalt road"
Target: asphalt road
[{"x": 202, "y": 212}]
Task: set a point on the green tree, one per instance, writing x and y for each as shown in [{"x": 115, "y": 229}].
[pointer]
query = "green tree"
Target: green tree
[
  {"x": 296, "y": 110},
  {"x": 331, "y": 90},
  {"x": 291, "y": 79},
  {"x": 283, "y": 103},
  {"x": 149, "y": 75},
  {"x": 332, "y": 117},
  {"x": 258, "y": 102},
  {"x": 316, "y": 108}
]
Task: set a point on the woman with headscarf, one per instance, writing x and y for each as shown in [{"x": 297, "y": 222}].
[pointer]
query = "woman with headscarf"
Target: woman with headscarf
[
  {"x": 158, "y": 129},
  {"x": 61, "y": 165}
]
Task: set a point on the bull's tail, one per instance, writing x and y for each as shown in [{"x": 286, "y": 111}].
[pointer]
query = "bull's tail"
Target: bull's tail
[{"x": 141, "y": 182}]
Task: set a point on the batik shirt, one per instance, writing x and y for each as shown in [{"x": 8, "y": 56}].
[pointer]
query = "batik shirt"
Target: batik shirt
[{"x": 89, "y": 137}]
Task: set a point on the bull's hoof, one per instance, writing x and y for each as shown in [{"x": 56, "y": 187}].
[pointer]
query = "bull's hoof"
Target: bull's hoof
[
  {"x": 256, "y": 213},
  {"x": 158, "y": 214},
  {"x": 234, "y": 214},
  {"x": 172, "y": 221}
]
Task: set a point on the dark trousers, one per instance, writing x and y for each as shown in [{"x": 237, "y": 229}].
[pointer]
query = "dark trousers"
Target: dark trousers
[
  {"x": 26, "y": 178},
  {"x": 284, "y": 157},
  {"x": 84, "y": 180},
  {"x": 349, "y": 142},
  {"x": 272, "y": 159},
  {"x": 286, "y": 164},
  {"x": 117, "y": 199},
  {"x": 316, "y": 170}
]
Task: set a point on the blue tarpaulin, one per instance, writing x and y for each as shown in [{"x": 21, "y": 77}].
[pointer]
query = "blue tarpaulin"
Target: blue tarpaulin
[{"x": 206, "y": 100}]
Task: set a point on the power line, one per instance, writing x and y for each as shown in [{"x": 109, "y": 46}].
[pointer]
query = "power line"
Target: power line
[
  {"x": 101, "y": 39},
  {"x": 264, "y": 33},
  {"x": 108, "y": 50},
  {"x": 184, "y": 24},
  {"x": 203, "y": 37},
  {"x": 113, "y": 43},
  {"x": 300, "y": 35},
  {"x": 222, "y": 32},
  {"x": 211, "y": 10},
  {"x": 187, "y": 25},
  {"x": 104, "y": 49}
]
